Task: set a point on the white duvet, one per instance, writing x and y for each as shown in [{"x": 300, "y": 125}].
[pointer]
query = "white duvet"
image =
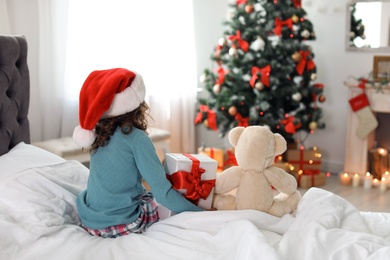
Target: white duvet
[{"x": 38, "y": 220}]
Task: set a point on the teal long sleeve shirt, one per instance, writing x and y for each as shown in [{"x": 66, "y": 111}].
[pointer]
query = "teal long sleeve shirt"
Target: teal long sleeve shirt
[{"x": 115, "y": 182}]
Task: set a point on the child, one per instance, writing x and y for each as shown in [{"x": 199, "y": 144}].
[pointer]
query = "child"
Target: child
[{"x": 113, "y": 124}]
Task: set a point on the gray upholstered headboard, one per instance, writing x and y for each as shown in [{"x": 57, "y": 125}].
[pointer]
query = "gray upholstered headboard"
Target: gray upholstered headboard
[{"x": 14, "y": 92}]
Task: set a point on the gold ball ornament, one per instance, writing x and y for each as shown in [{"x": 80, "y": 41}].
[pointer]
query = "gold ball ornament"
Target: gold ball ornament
[
  {"x": 321, "y": 98},
  {"x": 249, "y": 8},
  {"x": 313, "y": 125},
  {"x": 295, "y": 18},
  {"x": 296, "y": 57},
  {"x": 232, "y": 110},
  {"x": 206, "y": 123},
  {"x": 217, "y": 88},
  {"x": 259, "y": 86},
  {"x": 313, "y": 76}
]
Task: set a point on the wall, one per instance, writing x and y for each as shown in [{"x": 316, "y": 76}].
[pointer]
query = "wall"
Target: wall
[{"x": 334, "y": 65}]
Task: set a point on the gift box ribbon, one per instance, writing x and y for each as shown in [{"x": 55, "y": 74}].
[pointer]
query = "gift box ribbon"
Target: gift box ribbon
[
  {"x": 311, "y": 173},
  {"x": 191, "y": 181}
]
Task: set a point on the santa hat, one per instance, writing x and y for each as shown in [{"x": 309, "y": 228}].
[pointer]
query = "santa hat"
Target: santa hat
[{"x": 106, "y": 93}]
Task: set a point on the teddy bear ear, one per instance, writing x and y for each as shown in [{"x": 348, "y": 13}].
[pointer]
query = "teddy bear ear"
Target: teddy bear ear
[
  {"x": 280, "y": 144},
  {"x": 234, "y": 135}
]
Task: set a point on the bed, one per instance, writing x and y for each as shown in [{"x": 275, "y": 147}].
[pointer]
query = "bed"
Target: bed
[{"x": 39, "y": 220}]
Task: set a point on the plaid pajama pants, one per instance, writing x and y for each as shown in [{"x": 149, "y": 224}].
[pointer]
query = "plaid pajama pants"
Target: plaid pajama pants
[{"x": 148, "y": 216}]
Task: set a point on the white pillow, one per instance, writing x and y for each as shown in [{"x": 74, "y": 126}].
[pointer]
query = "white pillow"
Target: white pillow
[{"x": 24, "y": 156}]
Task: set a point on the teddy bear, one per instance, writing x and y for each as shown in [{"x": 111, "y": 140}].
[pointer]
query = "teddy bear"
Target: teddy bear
[{"x": 257, "y": 183}]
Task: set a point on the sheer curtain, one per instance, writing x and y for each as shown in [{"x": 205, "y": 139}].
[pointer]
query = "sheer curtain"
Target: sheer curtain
[{"x": 150, "y": 37}]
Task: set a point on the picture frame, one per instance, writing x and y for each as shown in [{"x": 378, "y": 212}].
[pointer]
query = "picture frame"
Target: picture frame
[{"x": 381, "y": 70}]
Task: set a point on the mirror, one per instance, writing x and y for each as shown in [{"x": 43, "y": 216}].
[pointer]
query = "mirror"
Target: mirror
[{"x": 368, "y": 25}]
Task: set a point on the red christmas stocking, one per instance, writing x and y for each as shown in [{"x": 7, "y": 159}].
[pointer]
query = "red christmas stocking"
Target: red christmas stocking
[{"x": 368, "y": 121}]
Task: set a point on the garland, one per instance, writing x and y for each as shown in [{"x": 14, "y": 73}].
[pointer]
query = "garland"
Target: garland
[{"x": 379, "y": 86}]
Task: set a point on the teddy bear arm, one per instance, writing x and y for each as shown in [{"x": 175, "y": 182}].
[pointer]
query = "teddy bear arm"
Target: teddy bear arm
[
  {"x": 281, "y": 180},
  {"x": 228, "y": 180}
]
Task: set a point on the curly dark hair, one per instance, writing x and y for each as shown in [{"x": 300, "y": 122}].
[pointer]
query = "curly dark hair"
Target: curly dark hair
[{"x": 106, "y": 127}]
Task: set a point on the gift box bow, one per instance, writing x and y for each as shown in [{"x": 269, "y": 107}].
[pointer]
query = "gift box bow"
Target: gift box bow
[{"x": 195, "y": 187}]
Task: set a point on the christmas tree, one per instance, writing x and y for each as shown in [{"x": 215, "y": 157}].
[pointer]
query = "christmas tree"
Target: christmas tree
[
  {"x": 357, "y": 27},
  {"x": 264, "y": 71}
]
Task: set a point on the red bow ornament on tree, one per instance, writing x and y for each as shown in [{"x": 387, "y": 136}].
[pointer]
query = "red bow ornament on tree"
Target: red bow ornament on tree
[
  {"x": 242, "y": 43},
  {"x": 289, "y": 126},
  {"x": 279, "y": 25},
  {"x": 240, "y": 2},
  {"x": 265, "y": 72},
  {"x": 297, "y": 3},
  {"x": 211, "y": 117},
  {"x": 221, "y": 75},
  {"x": 305, "y": 62},
  {"x": 195, "y": 188},
  {"x": 242, "y": 121}
]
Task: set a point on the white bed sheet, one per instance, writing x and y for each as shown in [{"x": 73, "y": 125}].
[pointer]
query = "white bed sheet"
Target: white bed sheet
[{"x": 38, "y": 220}]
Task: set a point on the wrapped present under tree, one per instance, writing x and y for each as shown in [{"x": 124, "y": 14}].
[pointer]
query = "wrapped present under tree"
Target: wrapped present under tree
[
  {"x": 305, "y": 165},
  {"x": 214, "y": 153},
  {"x": 304, "y": 159}
]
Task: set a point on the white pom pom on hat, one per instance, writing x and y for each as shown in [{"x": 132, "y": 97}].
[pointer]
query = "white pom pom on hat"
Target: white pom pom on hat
[{"x": 106, "y": 93}]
